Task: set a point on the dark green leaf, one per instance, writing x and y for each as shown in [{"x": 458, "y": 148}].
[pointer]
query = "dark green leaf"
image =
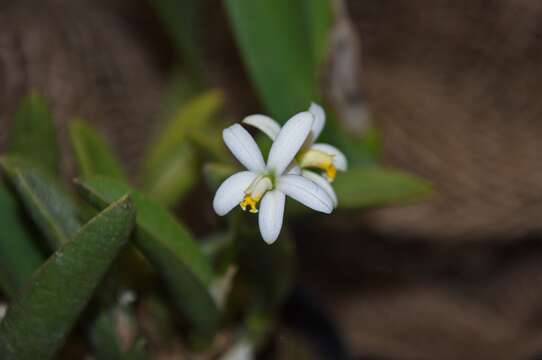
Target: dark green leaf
[
  {"x": 19, "y": 256},
  {"x": 49, "y": 206},
  {"x": 40, "y": 318},
  {"x": 282, "y": 44},
  {"x": 364, "y": 187},
  {"x": 92, "y": 154},
  {"x": 169, "y": 247},
  {"x": 32, "y": 134}
]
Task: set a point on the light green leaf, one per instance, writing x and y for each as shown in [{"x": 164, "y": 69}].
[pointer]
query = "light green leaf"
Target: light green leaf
[
  {"x": 169, "y": 247},
  {"x": 173, "y": 176},
  {"x": 40, "y": 318},
  {"x": 375, "y": 186},
  {"x": 169, "y": 169},
  {"x": 48, "y": 205},
  {"x": 19, "y": 256},
  {"x": 282, "y": 44},
  {"x": 92, "y": 154},
  {"x": 32, "y": 134}
]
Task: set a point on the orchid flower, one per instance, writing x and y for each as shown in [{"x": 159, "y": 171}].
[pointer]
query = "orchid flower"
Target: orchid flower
[
  {"x": 312, "y": 155},
  {"x": 271, "y": 182}
]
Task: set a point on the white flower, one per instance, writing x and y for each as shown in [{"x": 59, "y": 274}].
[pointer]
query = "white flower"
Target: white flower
[
  {"x": 269, "y": 183},
  {"x": 311, "y": 155}
]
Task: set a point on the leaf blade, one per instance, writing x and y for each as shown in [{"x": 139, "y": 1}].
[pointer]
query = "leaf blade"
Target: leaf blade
[
  {"x": 282, "y": 44},
  {"x": 33, "y": 135},
  {"x": 92, "y": 154},
  {"x": 170, "y": 248},
  {"x": 48, "y": 205},
  {"x": 47, "y": 309},
  {"x": 19, "y": 256},
  {"x": 364, "y": 187},
  {"x": 169, "y": 167}
]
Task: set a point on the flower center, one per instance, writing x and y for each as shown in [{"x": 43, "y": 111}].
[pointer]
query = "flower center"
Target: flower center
[
  {"x": 255, "y": 192},
  {"x": 320, "y": 160}
]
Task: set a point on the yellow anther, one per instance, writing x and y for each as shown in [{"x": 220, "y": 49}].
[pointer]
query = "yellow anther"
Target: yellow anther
[
  {"x": 331, "y": 172},
  {"x": 320, "y": 160},
  {"x": 250, "y": 203}
]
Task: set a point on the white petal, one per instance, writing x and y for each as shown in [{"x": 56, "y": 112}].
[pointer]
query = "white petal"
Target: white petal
[
  {"x": 265, "y": 124},
  {"x": 339, "y": 160},
  {"x": 289, "y": 141},
  {"x": 319, "y": 120},
  {"x": 243, "y": 147},
  {"x": 271, "y": 213},
  {"x": 306, "y": 192},
  {"x": 293, "y": 169},
  {"x": 232, "y": 191},
  {"x": 323, "y": 183}
]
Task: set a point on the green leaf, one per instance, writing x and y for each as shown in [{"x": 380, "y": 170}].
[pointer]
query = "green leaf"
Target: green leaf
[
  {"x": 282, "y": 43},
  {"x": 19, "y": 256},
  {"x": 48, "y": 205},
  {"x": 364, "y": 187},
  {"x": 32, "y": 135},
  {"x": 169, "y": 169},
  {"x": 92, "y": 154},
  {"x": 169, "y": 247},
  {"x": 173, "y": 176},
  {"x": 40, "y": 318}
]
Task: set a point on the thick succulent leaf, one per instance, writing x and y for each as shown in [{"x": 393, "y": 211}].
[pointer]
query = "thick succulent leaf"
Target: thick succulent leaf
[
  {"x": 40, "y": 318},
  {"x": 169, "y": 167},
  {"x": 169, "y": 247},
  {"x": 19, "y": 255},
  {"x": 32, "y": 134},
  {"x": 364, "y": 187},
  {"x": 92, "y": 154},
  {"x": 282, "y": 44},
  {"x": 48, "y": 205}
]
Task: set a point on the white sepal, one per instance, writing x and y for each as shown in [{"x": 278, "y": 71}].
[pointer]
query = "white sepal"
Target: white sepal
[
  {"x": 289, "y": 141},
  {"x": 265, "y": 124},
  {"x": 271, "y": 214},
  {"x": 319, "y": 121},
  {"x": 243, "y": 147},
  {"x": 323, "y": 183},
  {"x": 306, "y": 192},
  {"x": 339, "y": 159},
  {"x": 232, "y": 191}
]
